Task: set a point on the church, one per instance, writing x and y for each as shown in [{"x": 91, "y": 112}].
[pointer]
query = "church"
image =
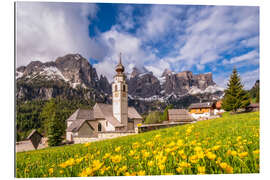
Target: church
[{"x": 105, "y": 120}]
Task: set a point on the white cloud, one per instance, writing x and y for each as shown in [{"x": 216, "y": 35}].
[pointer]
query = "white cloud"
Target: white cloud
[
  {"x": 249, "y": 78},
  {"x": 250, "y": 56},
  {"x": 45, "y": 31},
  {"x": 251, "y": 42}
]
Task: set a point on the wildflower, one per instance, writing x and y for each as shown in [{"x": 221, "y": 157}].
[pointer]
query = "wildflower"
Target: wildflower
[
  {"x": 233, "y": 153},
  {"x": 256, "y": 151},
  {"x": 79, "y": 160},
  {"x": 161, "y": 166},
  {"x": 184, "y": 164},
  {"x": 193, "y": 159},
  {"x": 87, "y": 144},
  {"x": 223, "y": 165},
  {"x": 200, "y": 155},
  {"x": 179, "y": 169},
  {"x": 50, "y": 170},
  {"x": 150, "y": 163},
  {"x": 229, "y": 152},
  {"x": 150, "y": 144},
  {"x": 210, "y": 155},
  {"x": 243, "y": 154},
  {"x": 238, "y": 138},
  {"x": 106, "y": 155},
  {"x": 157, "y": 136},
  {"x": 96, "y": 165},
  {"x": 118, "y": 149},
  {"x": 131, "y": 153},
  {"x": 61, "y": 171},
  {"x": 139, "y": 125},
  {"x": 215, "y": 148},
  {"x": 86, "y": 172},
  {"x": 229, "y": 169},
  {"x": 141, "y": 173},
  {"x": 135, "y": 145},
  {"x": 116, "y": 158},
  {"x": 171, "y": 144},
  {"x": 176, "y": 133},
  {"x": 123, "y": 169},
  {"x": 201, "y": 170},
  {"x": 180, "y": 142},
  {"x": 197, "y": 149},
  {"x": 146, "y": 154}
]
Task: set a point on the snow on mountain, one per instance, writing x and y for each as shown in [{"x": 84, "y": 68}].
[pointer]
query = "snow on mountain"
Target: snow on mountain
[
  {"x": 18, "y": 74},
  {"x": 209, "y": 89},
  {"x": 53, "y": 72}
]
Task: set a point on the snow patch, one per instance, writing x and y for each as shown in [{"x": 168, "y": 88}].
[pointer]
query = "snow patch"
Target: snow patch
[
  {"x": 162, "y": 80},
  {"x": 53, "y": 71},
  {"x": 209, "y": 89},
  {"x": 18, "y": 74}
]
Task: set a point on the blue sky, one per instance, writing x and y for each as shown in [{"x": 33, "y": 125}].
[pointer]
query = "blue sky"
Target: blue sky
[{"x": 178, "y": 37}]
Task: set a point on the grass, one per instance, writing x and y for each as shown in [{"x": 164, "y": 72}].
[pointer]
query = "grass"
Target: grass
[{"x": 225, "y": 145}]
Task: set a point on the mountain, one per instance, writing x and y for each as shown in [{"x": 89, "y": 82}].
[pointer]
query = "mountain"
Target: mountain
[
  {"x": 73, "y": 77},
  {"x": 69, "y": 76}
]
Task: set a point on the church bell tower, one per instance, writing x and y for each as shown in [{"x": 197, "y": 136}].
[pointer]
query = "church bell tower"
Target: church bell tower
[{"x": 120, "y": 95}]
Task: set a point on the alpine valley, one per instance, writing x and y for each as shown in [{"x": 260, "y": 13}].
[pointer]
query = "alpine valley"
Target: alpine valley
[{"x": 73, "y": 77}]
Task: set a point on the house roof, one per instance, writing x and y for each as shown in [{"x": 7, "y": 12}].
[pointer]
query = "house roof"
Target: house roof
[
  {"x": 105, "y": 111},
  {"x": 32, "y": 133},
  {"x": 82, "y": 114},
  {"x": 76, "y": 125},
  {"x": 201, "y": 105},
  {"x": 179, "y": 115}
]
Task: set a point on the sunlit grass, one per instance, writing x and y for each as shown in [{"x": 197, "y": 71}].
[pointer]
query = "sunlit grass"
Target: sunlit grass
[{"x": 226, "y": 145}]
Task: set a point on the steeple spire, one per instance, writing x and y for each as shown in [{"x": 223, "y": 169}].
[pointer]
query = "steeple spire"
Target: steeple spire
[{"x": 120, "y": 68}]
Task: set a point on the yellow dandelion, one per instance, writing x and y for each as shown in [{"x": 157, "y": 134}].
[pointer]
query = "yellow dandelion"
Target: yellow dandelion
[
  {"x": 179, "y": 169},
  {"x": 256, "y": 152},
  {"x": 50, "y": 170},
  {"x": 161, "y": 167},
  {"x": 211, "y": 155},
  {"x": 141, "y": 173},
  {"x": 117, "y": 149},
  {"x": 201, "y": 170},
  {"x": 223, "y": 165},
  {"x": 215, "y": 148},
  {"x": 233, "y": 153},
  {"x": 229, "y": 169},
  {"x": 150, "y": 163},
  {"x": 243, "y": 154}
]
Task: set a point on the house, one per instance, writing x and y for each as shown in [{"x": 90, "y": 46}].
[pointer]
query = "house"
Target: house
[
  {"x": 253, "y": 107},
  {"x": 35, "y": 138},
  {"x": 179, "y": 115},
  {"x": 105, "y": 120},
  {"x": 218, "y": 109},
  {"x": 202, "y": 110}
]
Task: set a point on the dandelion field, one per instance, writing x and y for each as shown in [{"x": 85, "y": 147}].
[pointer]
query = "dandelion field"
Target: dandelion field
[{"x": 225, "y": 145}]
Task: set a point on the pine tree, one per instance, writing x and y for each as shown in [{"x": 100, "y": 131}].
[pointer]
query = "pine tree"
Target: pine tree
[
  {"x": 258, "y": 95},
  {"x": 235, "y": 96},
  {"x": 54, "y": 131},
  {"x": 165, "y": 113}
]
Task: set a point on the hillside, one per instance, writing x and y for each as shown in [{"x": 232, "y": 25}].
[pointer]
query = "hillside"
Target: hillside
[{"x": 225, "y": 145}]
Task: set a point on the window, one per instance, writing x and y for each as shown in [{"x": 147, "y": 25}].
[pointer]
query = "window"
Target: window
[
  {"x": 115, "y": 87},
  {"x": 99, "y": 127},
  {"x": 124, "y": 88}
]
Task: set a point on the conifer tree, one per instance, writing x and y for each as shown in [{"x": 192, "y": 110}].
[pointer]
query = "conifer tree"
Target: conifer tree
[
  {"x": 55, "y": 131},
  {"x": 165, "y": 113},
  {"x": 235, "y": 96}
]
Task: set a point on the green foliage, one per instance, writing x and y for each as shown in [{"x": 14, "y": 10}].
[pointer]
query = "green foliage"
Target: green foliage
[
  {"x": 165, "y": 113},
  {"x": 255, "y": 92},
  {"x": 235, "y": 96},
  {"x": 153, "y": 117},
  {"x": 170, "y": 147},
  {"x": 31, "y": 114}
]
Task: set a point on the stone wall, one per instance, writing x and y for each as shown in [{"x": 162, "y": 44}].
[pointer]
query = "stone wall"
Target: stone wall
[{"x": 108, "y": 135}]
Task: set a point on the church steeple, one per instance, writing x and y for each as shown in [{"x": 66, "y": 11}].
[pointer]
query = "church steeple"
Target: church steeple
[
  {"x": 120, "y": 94},
  {"x": 119, "y": 68}
]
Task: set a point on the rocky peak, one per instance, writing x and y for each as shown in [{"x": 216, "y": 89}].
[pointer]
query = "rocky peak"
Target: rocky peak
[{"x": 166, "y": 72}]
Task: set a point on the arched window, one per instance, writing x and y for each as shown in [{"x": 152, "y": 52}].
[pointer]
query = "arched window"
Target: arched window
[
  {"x": 124, "y": 88},
  {"x": 115, "y": 87},
  {"x": 99, "y": 127}
]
